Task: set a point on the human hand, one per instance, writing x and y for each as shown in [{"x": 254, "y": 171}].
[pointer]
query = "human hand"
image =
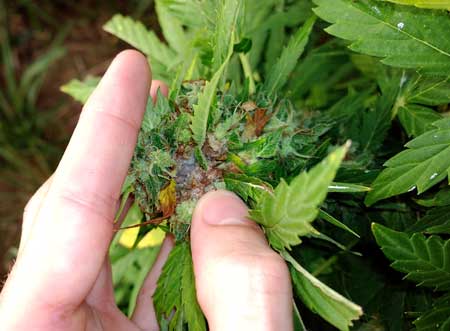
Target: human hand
[{"x": 62, "y": 277}]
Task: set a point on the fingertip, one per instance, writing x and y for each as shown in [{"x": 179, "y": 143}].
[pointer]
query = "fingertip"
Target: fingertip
[
  {"x": 242, "y": 284},
  {"x": 221, "y": 207},
  {"x": 135, "y": 58}
]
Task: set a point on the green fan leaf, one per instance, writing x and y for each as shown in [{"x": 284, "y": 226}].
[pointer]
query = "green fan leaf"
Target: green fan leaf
[
  {"x": 287, "y": 213},
  {"x": 137, "y": 35},
  {"x": 403, "y": 36},
  {"x": 321, "y": 299},
  {"x": 440, "y": 199},
  {"x": 417, "y": 119},
  {"x": 80, "y": 90},
  {"x": 436, "y": 220},
  {"x": 332, "y": 220},
  {"x": 171, "y": 27},
  {"x": 425, "y": 163},
  {"x": 431, "y": 4},
  {"x": 205, "y": 101},
  {"x": 437, "y": 318},
  {"x": 175, "y": 296},
  {"x": 424, "y": 260},
  {"x": 428, "y": 91},
  {"x": 279, "y": 74},
  {"x": 417, "y": 93},
  {"x": 225, "y": 24}
]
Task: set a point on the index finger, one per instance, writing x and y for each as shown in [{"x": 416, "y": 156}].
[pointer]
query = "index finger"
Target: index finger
[{"x": 75, "y": 223}]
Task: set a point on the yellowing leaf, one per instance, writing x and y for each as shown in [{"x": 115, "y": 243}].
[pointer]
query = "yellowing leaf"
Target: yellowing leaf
[
  {"x": 128, "y": 237},
  {"x": 152, "y": 239},
  {"x": 168, "y": 199}
]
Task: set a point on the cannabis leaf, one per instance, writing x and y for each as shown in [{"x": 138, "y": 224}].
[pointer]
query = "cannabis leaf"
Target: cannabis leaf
[
  {"x": 227, "y": 15},
  {"x": 247, "y": 187},
  {"x": 330, "y": 305},
  {"x": 135, "y": 33},
  {"x": 279, "y": 74},
  {"x": 416, "y": 119},
  {"x": 171, "y": 27},
  {"x": 175, "y": 297},
  {"x": 433, "y": 4},
  {"x": 287, "y": 213},
  {"x": 80, "y": 90},
  {"x": 412, "y": 104},
  {"x": 437, "y": 318},
  {"x": 440, "y": 199},
  {"x": 424, "y": 260},
  {"x": 404, "y": 37},
  {"x": 425, "y": 163},
  {"x": 436, "y": 220},
  {"x": 205, "y": 101}
]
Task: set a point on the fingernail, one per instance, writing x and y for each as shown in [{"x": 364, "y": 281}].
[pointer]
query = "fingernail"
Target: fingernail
[{"x": 223, "y": 208}]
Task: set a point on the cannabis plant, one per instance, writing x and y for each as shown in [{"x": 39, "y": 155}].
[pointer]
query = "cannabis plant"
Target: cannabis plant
[{"x": 328, "y": 118}]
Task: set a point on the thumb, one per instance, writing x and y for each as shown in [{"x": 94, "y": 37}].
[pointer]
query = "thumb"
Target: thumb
[{"x": 242, "y": 284}]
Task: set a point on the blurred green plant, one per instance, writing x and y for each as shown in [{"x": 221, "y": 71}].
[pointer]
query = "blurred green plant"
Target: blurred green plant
[{"x": 27, "y": 158}]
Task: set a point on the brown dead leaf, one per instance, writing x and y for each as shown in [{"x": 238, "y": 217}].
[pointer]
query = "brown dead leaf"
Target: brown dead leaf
[{"x": 258, "y": 121}]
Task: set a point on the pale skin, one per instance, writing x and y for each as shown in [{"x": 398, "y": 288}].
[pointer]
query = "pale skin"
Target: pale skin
[{"x": 62, "y": 276}]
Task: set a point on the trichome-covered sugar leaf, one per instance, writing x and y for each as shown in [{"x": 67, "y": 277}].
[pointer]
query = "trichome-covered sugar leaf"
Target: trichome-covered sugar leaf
[
  {"x": 155, "y": 113},
  {"x": 287, "y": 213},
  {"x": 425, "y": 163},
  {"x": 404, "y": 37},
  {"x": 206, "y": 98},
  {"x": 437, "y": 318},
  {"x": 321, "y": 299},
  {"x": 279, "y": 74},
  {"x": 425, "y": 260},
  {"x": 80, "y": 90},
  {"x": 432, "y": 4},
  {"x": 175, "y": 297}
]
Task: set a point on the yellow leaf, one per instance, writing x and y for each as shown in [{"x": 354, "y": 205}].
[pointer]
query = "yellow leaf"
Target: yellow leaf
[
  {"x": 153, "y": 238},
  {"x": 168, "y": 199},
  {"x": 128, "y": 237}
]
